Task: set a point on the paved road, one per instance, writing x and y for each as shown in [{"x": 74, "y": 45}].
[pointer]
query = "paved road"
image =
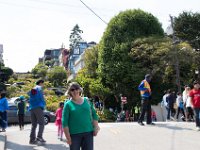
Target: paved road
[{"x": 118, "y": 136}]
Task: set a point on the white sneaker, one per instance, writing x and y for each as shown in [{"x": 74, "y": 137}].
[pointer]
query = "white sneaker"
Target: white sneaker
[
  {"x": 197, "y": 128},
  {"x": 172, "y": 118}
]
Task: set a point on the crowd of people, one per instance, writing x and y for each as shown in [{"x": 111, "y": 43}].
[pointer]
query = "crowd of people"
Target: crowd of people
[
  {"x": 76, "y": 118},
  {"x": 187, "y": 104}
]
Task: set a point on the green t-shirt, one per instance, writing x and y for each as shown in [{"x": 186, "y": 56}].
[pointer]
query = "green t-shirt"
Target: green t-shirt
[{"x": 78, "y": 117}]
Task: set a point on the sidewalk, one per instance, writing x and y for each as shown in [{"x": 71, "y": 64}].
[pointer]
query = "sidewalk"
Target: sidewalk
[{"x": 2, "y": 140}]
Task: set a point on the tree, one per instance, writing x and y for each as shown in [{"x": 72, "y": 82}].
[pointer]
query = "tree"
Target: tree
[
  {"x": 116, "y": 67},
  {"x": 39, "y": 71},
  {"x": 57, "y": 75},
  {"x": 157, "y": 56},
  {"x": 75, "y": 37},
  {"x": 187, "y": 28},
  {"x": 91, "y": 61},
  {"x": 5, "y": 73},
  {"x": 49, "y": 63}
]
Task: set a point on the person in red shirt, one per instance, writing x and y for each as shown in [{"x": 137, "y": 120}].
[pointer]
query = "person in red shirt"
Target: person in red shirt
[{"x": 195, "y": 101}]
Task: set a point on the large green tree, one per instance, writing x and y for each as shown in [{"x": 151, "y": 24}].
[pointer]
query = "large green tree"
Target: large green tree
[
  {"x": 158, "y": 56},
  {"x": 187, "y": 28},
  {"x": 116, "y": 67}
]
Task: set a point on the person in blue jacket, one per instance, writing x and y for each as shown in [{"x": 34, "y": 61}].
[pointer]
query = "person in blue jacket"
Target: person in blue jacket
[
  {"x": 145, "y": 93},
  {"x": 36, "y": 105},
  {"x": 3, "y": 111}
]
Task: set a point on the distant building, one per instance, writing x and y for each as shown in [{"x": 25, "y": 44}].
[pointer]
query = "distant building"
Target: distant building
[
  {"x": 1, "y": 53},
  {"x": 51, "y": 55},
  {"x": 76, "y": 58}
]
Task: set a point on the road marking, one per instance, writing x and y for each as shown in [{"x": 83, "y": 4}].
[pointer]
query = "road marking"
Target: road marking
[{"x": 115, "y": 131}]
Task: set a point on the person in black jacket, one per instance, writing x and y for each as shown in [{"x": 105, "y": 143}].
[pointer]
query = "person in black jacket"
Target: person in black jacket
[
  {"x": 21, "y": 111},
  {"x": 170, "y": 99}
]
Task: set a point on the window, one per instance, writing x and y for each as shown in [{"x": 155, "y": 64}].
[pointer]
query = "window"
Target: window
[{"x": 76, "y": 51}]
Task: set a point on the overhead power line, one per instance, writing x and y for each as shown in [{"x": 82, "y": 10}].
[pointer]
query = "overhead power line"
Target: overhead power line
[{"x": 93, "y": 12}]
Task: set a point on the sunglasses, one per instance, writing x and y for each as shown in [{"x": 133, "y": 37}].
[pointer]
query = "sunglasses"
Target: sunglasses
[{"x": 73, "y": 90}]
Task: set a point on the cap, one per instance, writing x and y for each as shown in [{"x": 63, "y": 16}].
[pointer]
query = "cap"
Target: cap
[{"x": 21, "y": 97}]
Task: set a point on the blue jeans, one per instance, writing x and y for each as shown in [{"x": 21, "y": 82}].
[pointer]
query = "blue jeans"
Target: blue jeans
[
  {"x": 82, "y": 140},
  {"x": 3, "y": 119},
  {"x": 197, "y": 115}
]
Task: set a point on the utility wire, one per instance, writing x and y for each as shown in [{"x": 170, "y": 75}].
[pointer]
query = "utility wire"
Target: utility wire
[{"x": 93, "y": 12}]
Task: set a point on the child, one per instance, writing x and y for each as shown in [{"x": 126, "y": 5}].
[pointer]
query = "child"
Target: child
[
  {"x": 153, "y": 115},
  {"x": 59, "y": 120}
]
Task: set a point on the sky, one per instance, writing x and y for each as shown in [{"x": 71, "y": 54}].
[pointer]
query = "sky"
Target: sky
[{"x": 28, "y": 27}]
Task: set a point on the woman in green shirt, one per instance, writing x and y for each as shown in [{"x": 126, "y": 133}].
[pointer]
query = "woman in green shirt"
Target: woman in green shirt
[{"x": 79, "y": 120}]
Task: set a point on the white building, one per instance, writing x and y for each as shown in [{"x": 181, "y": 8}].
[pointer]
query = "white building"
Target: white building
[
  {"x": 79, "y": 63},
  {"x": 1, "y": 53}
]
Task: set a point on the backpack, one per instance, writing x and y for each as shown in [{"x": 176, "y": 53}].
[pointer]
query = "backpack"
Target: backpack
[{"x": 34, "y": 98}]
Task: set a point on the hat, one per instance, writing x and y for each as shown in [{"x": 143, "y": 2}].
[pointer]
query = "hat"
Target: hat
[
  {"x": 147, "y": 76},
  {"x": 39, "y": 81},
  {"x": 21, "y": 97}
]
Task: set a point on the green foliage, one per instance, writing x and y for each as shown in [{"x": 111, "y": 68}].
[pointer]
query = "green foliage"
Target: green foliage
[
  {"x": 116, "y": 67},
  {"x": 49, "y": 63},
  {"x": 106, "y": 116},
  {"x": 57, "y": 75},
  {"x": 157, "y": 56},
  {"x": 91, "y": 61},
  {"x": 187, "y": 27},
  {"x": 39, "y": 71},
  {"x": 5, "y": 73}
]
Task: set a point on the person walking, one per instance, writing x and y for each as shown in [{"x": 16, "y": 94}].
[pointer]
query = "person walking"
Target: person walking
[
  {"x": 145, "y": 92},
  {"x": 79, "y": 120},
  {"x": 21, "y": 107},
  {"x": 3, "y": 111},
  {"x": 180, "y": 105},
  {"x": 36, "y": 105},
  {"x": 58, "y": 121},
  {"x": 170, "y": 106},
  {"x": 195, "y": 101},
  {"x": 188, "y": 105}
]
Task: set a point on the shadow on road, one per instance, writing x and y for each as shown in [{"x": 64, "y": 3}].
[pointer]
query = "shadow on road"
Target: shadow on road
[
  {"x": 16, "y": 146},
  {"x": 172, "y": 127}
]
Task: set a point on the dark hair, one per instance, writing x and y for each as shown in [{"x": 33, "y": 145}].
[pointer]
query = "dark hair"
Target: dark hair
[
  {"x": 61, "y": 104},
  {"x": 195, "y": 82},
  {"x": 39, "y": 81},
  {"x": 147, "y": 76},
  {"x": 169, "y": 91},
  {"x": 3, "y": 94},
  {"x": 74, "y": 85}
]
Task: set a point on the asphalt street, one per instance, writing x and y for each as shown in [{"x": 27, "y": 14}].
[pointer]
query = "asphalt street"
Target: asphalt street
[{"x": 117, "y": 136}]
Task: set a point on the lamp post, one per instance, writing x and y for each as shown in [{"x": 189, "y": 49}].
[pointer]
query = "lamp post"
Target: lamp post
[{"x": 175, "y": 42}]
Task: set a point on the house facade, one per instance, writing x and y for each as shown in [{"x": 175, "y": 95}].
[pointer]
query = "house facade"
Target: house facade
[{"x": 1, "y": 53}]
